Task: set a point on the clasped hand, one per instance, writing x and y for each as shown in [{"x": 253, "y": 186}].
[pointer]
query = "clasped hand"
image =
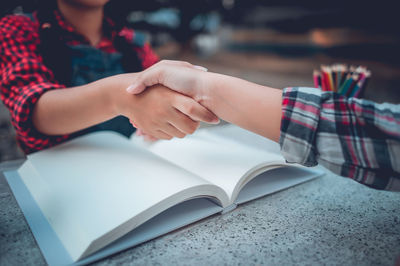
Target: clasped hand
[{"x": 178, "y": 88}]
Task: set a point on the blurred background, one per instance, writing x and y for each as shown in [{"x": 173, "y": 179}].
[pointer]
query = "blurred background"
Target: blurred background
[{"x": 274, "y": 43}]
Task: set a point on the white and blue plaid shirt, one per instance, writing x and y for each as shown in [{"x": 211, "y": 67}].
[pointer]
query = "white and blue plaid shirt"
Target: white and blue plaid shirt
[{"x": 352, "y": 137}]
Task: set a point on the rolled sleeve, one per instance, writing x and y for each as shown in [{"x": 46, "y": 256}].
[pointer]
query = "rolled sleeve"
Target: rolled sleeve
[
  {"x": 300, "y": 118},
  {"x": 352, "y": 137},
  {"x": 24, "y": 79}
]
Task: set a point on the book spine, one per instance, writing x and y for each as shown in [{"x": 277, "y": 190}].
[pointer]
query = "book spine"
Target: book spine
[{"x": 229, "y": 208}]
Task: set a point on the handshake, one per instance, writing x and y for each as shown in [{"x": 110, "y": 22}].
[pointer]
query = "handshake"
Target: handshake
[
  {"x": 180, "y": 94},
  {"x": 171, "y": 98}
]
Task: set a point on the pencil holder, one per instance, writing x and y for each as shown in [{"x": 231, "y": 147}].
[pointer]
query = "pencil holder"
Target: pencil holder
[{"x": 349, "y": 81}]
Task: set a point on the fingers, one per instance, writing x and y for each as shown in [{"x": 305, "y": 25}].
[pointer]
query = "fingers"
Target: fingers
[
  {"x": 183, "y": 123},
  {"x": 171, "y": 114},
  {"x": 159, "y": 134},
  {"x": 149, "y": 138},
  {"x": 172, "y": 130},
  {"x": 155, "y": 75},
  {"x": 179, "y": 125},
  {"x": 194, "y": 110}
]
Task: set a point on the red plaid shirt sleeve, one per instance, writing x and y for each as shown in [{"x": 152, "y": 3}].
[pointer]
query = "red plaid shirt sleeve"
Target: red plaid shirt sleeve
[
  {"x": 24, "y": 78},
  {"x": 352, "y": 137}
]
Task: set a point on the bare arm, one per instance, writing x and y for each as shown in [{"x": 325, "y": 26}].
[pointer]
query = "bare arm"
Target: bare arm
[
  {"x": 253, "y": 107},
  {"x": 64, "y": 111},
  {"x": 162, "y": 112}
]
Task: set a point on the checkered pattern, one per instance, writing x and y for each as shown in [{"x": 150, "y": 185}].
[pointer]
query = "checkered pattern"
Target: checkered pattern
[
  {"x": 352, "y": 137},
  {"x": 24, "y": 77}
]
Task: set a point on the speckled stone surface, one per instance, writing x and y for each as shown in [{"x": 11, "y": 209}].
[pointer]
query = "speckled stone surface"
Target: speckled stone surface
[{"x": 330, "y": 221}]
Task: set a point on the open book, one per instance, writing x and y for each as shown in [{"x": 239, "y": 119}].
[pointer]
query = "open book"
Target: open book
[{"x": 101, "y": 193}]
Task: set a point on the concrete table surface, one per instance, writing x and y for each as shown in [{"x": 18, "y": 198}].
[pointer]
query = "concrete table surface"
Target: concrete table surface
[{"x": 330, "y": 221}]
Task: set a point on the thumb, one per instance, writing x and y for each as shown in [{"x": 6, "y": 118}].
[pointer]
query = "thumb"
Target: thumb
[
  {"x": 136, "y": 88},
  {"x": 154, "y": 75},
  {"x": 145, "y": 79}
]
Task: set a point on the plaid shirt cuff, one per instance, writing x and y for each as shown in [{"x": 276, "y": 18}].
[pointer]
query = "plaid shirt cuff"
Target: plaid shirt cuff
[
  {"x": 351, "y": 137},
  {"x": 29, "y": 137},
  {"x": 300, "y": 118}
]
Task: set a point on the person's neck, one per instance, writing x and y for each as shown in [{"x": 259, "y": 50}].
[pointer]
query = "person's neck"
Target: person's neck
[{"x": 87, "y": 21}]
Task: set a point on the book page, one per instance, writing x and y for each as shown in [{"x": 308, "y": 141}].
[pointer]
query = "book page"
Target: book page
[
  {"x": 245, "y": 137},
  {"x": 98, "y": 187},
  {"x": 221, "y": 161}
]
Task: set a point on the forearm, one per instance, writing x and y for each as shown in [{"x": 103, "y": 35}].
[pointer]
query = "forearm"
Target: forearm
[
  {"x": 63, "y": 111},
  {"x": 254, "y": 107}
]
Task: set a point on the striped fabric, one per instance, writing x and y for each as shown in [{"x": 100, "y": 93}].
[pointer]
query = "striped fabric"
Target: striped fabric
[{"x": 352, "y": 137}]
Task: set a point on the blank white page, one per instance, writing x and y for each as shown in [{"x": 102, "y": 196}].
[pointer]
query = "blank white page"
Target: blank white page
[
  {"x": 245, "y": 137},
  {"x": 91, "y": 185},
  {"x": 221, "y": 162}
]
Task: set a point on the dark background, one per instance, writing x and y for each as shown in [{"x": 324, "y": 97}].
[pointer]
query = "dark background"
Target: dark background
[{"x": 274, "y": 43}]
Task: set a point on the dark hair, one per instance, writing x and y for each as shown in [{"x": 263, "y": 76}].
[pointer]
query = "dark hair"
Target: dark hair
[{"x": 56, "y": 54}]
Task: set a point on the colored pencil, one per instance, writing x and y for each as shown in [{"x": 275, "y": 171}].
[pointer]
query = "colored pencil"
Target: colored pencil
[
  {"x": 347, "y": 85},
  {"x": 361, "y": 85},
  {"x": 324, "y": 83},
  {"x": 346, "y": 80},
  {"x": 357, "y": 87},
  {"x": 354, "y": 79},
  {"x": 341, "y": 74},
  {"x": 330, "y": 80}
]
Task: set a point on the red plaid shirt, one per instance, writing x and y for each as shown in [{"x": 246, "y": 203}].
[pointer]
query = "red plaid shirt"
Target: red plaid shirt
[{"x": 24, "y": 77}]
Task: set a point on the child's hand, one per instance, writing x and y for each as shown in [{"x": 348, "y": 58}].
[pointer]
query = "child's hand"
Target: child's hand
[
  {"x": 179, "y": 76},
  {"x": 163, "y": 113}
]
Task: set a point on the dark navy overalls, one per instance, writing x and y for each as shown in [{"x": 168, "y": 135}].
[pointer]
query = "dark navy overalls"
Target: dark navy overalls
[{"x": 90, "y": 64}]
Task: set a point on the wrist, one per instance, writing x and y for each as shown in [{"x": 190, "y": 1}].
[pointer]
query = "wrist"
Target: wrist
[
  {"x": 205, "y": 87},
  {"x": 210, "y": 90},
  {"x": 108, "y": 97},
  {"x": 114, "y": 93}
]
